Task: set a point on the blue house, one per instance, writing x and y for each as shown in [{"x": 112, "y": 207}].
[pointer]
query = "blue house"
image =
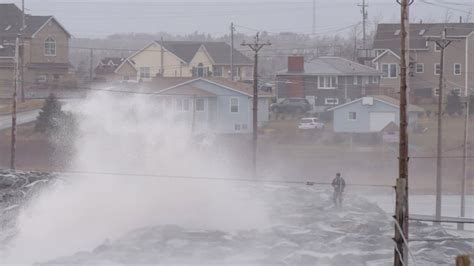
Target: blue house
[
  {"x": 214, "y": 105},
  {"x": 371, "y": 114}
]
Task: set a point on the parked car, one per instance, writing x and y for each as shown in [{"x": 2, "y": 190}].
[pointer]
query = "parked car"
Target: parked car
[
  {"x": 310, "y": 123},
  {"x": 292, "y": 105}
]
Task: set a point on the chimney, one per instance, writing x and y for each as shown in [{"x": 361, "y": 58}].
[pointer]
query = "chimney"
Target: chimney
[
  {"x": 460, "y": 19},
  {"x": 295, "y": 63}
]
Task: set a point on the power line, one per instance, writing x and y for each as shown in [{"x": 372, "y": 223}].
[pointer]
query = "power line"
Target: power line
[{"x": 209, "y": 178}]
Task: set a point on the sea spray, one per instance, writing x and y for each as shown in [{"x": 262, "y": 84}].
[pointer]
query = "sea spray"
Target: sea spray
[{"x": 146, "y": 148}]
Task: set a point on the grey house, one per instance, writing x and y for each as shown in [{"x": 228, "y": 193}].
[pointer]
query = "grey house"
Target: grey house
[
  {"x": 214, "y": 105},
  {"x": 371, "y": 114},
  {"x": 425, "y": 57},
  {"x": 326, "y": 81}
]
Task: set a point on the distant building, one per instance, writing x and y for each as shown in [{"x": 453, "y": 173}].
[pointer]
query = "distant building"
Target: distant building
[
  {"x": 371, "y": 114},
  {"x": 45, "y": 49},
  {"x": 184, "y": 59},
  {"x": 326, "y": 81},
  {"x": 425, "y": 57},
  {"x": 214, "y": 105},
  {"x": 105, "y": 70}
]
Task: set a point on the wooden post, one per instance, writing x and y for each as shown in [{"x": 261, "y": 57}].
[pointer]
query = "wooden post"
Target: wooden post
[
  {"x": 400, "y": 213},
  {"x": 255, "y": 46},
  {"x": 463, "y": 260}
]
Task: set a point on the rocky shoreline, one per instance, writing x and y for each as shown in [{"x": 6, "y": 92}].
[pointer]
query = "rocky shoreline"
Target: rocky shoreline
[{"x": 16, "y": 189}]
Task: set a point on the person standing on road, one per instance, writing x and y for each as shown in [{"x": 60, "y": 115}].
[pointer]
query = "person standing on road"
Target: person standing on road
[{"x": 338, "y": 184}]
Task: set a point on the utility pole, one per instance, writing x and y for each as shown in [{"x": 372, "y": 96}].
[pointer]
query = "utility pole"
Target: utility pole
[
  {"x": 364, "y": 20},
  {"x": 232, "y": 29},
  {"x": 91, "y": 67},
  {"x": 21, "y": 53},
  {"x": 314, "y": 17},
  {"x": 255, "y": 46},
  {"x": 464, "y": 162},
  {"x": 15, "y": 88},
  {"x": 401, "y": 205},
  {"x": 442, "y": 43}
]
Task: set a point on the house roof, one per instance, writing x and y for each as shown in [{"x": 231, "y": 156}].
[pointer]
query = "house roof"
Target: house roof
[
  {"x": 10, "y": 26},
  {"x": 115, "y": 60},
  {"x": 187, "y": 89},
  {"x": 385, "y": 99},
  {"x": 333, "y": 66},
  {"x": 391, "y": 127},
  {"x": 387, "y": 35},
  {"x": 164, "y": 85},
  {"x": 11, "y": 20},
  {"x": 104, "y": 68},
  {"x": 218, "y": 51}
]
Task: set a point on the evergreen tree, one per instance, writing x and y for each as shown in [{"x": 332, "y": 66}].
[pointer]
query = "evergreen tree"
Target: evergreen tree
[
  {"x": 454, "y": 104},
  {"x": 50, "y": 115}
]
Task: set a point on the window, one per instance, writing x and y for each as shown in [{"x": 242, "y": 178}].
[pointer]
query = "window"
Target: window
[
  {"x": 186, "y": 105},
  {"x": 389, "y": 70},
  {"x": 437, "y": 69},
  {"x": 245, "y": 126},
  {"x": 436, "y": 47},
  {"x": 41, "y": 78},
  {"x": 200, "y": 105},
  {"x": 144, "y": 72},
  {"x": 237, "y": 127},
  {"x": 358, "y": 80},
  {"x": 436, "y": 91},
  {"x": 457, "y": 69},
  {"x": 56, "y": 77},
  {"x": 50, "y": 47},
  {"x": 201, "y": 71},
  {"x": 373, "y": 79},
  {"x": 179, "y": 105},
  {"x": 457, "y": 91},
  {"x": 420, "y": 68},
  {"x": 327, "y": 82},
  {"x": 331, "y": 101},
  {"x": 352, "y": 116},
  {"x": 217, "y": 71},
  {"x": 234, "y": 105}
]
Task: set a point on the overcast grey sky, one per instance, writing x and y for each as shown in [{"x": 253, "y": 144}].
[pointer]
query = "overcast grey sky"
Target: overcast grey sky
[{"x": 97, "y": 18}]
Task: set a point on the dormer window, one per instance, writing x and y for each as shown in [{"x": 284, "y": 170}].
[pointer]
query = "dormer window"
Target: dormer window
[
  {"x": 50, "y": 47},
  {"x": 397, "y": 32}
]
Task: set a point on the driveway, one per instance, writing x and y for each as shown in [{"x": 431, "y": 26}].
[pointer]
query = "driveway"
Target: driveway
[{"x": 21, "y": 118}]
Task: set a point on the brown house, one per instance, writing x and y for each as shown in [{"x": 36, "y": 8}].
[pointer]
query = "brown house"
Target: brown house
[
  {"x": 45, "y": 48},
  {"x": 425, "y": 58},
  {"x": 326, "y": 81}
]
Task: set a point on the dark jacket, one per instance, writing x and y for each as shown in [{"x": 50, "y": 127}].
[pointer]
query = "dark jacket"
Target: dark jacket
[{"x": 338, "y": 184}]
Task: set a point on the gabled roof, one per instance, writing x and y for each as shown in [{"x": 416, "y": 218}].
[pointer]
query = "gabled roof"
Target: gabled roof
[
  {"x": 234, "y": 86},
  {"x": 388, "y": 51},
  {"x": 218, "y": 51},
  {"x": 337, "y": 66},
  {"x": 115, "y": 60},
  {"x": 384, "y": 99},
  {"x": 104, "y": 68},
  {"x": 387, "y": 35},
  {"x": 11, "y": 20}
]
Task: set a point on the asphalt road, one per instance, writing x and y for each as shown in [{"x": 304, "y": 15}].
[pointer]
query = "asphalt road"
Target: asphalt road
[{"x": 22, "y": 118}]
